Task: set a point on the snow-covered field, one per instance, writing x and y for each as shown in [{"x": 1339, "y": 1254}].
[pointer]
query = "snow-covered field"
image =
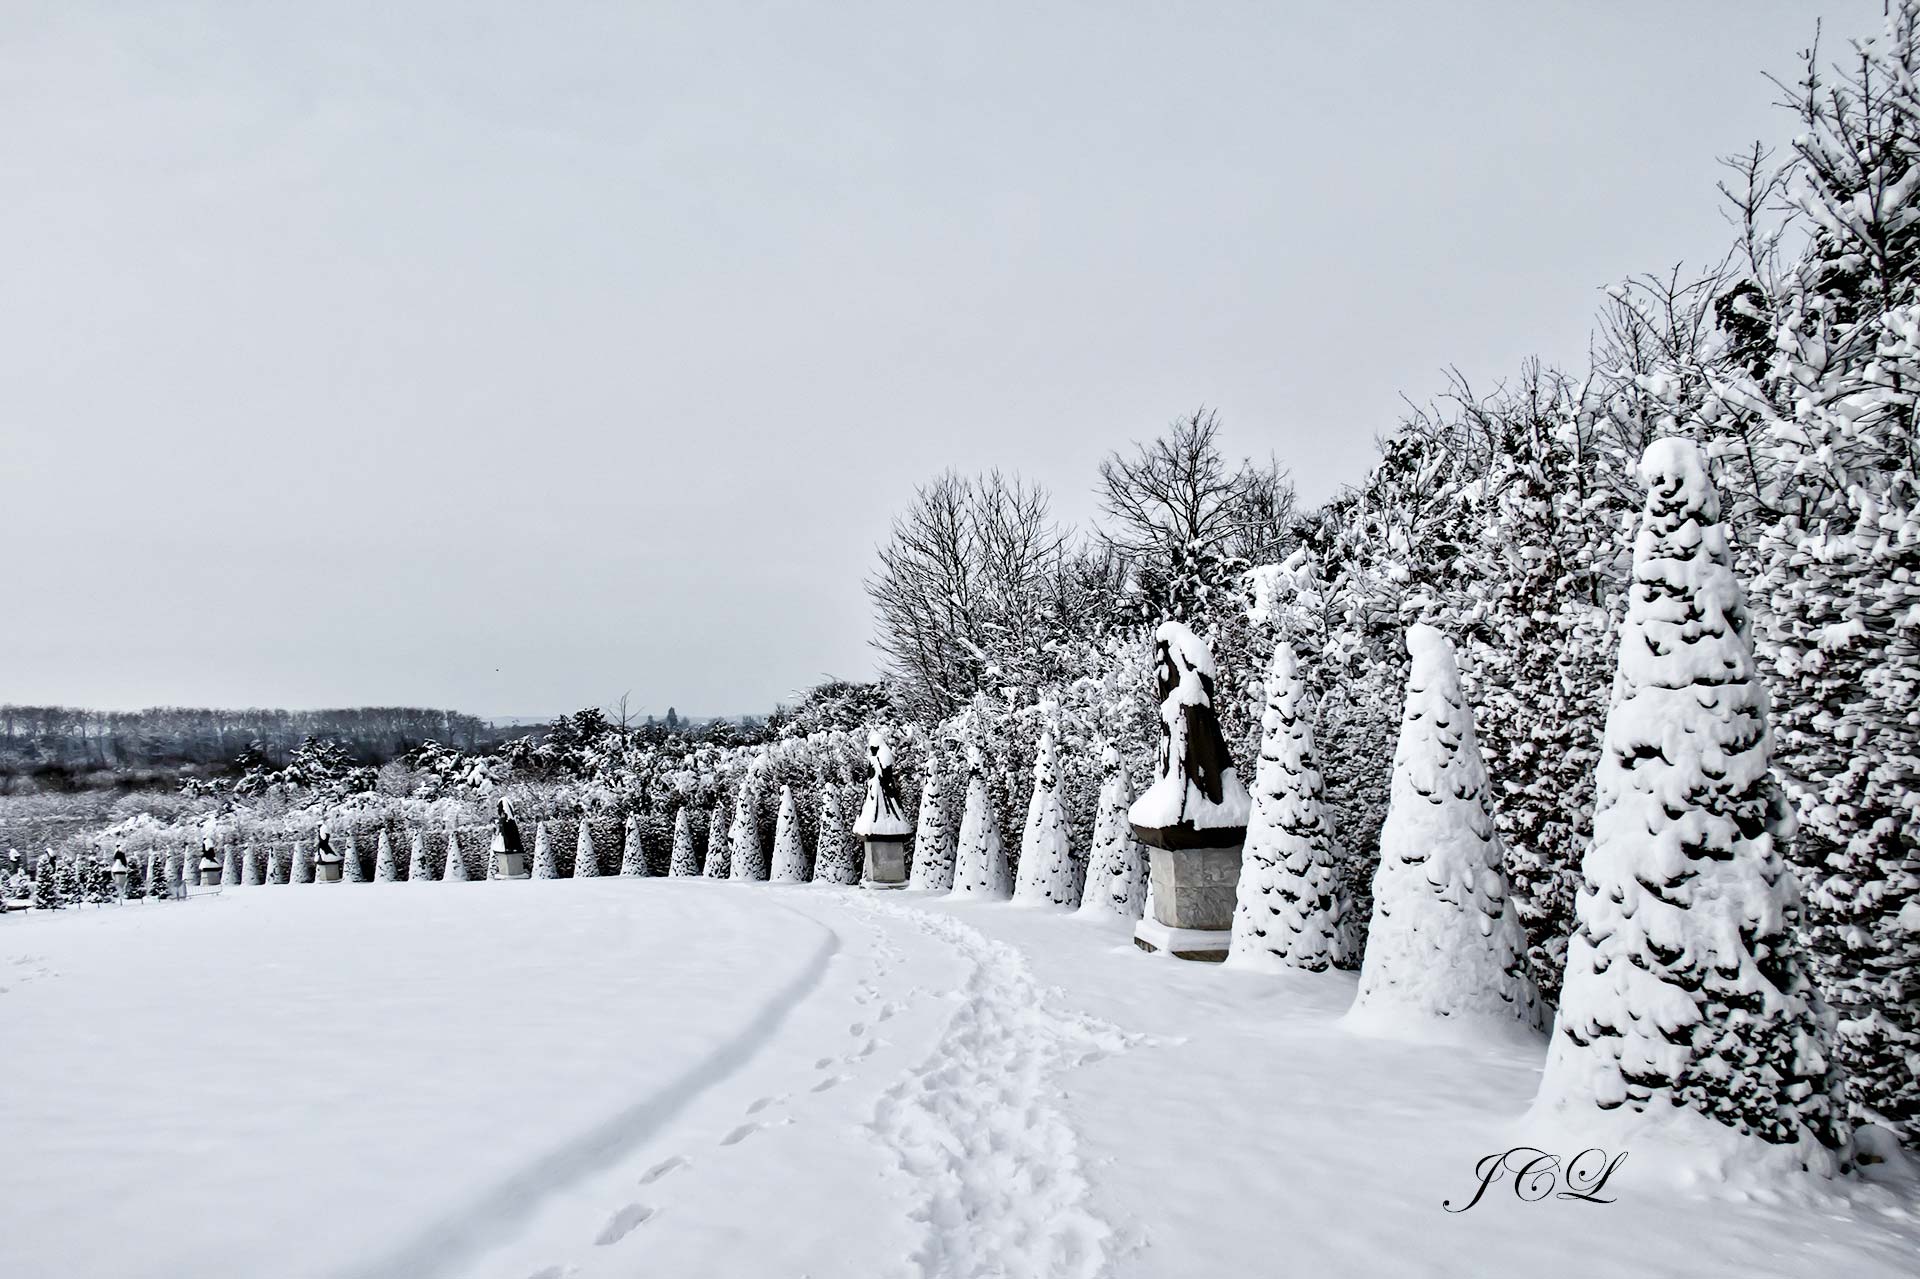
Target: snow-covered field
[{"x": 619, "y": 1077}]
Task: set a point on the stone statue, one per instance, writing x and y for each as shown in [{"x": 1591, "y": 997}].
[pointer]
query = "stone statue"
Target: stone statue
[{"x": 1197, "y": 799}]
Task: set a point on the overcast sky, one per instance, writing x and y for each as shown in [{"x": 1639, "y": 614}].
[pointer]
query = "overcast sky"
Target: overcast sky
[{"x": 510, "y": 357}]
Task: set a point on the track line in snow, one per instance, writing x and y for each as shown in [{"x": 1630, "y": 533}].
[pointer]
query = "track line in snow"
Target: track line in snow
[{"x": 452, "y": 1243}]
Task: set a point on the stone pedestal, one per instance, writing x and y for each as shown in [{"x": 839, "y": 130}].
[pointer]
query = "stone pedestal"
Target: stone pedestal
[
  {"x": 886, "y": 865},
  {"x": 1193, "y": 897},
  {"x": 510, "y": 866},
  {"x": 326, "y": 872}
]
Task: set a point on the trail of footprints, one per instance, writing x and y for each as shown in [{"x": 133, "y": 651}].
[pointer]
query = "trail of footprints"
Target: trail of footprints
[{"x": 630, "y": 1217}]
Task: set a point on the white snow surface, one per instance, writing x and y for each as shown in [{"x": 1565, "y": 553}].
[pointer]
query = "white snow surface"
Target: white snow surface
[{"x": 621, "y": 1076}]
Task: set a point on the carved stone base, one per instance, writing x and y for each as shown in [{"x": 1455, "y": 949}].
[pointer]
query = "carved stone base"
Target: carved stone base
[
  {"x": 510, "y": 866},
  {"x": 326, "y": 872},
  {"x": 1194, "y": 888},
  {"x": 1208, "y": 945}
]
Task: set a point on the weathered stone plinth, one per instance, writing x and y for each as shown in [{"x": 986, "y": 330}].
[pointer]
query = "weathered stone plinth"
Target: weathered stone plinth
[
  {"x": 1193, "y": 897},
  {"x": 886, "y": 864},
  {"x": 326, "y": 872},
  {"x": 510, "y": 866}
]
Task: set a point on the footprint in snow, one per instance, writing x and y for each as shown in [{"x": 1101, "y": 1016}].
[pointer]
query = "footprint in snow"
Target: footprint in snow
[
  {"x": 622, "y": 1223},
  {"x": 823, "y": 1063},
  {"x": 661, "y": 1169},
  {"x": 829, "y": 1082},
  {"x": 865, "y": 1051},
  {"x": 887, "y": 1011},
  {"x": 761, "y": 1105},
  {"x": 551, "y": 1272},
  {"x": 858, "y": 1028},
  {"x": 739, "y": 1134}
]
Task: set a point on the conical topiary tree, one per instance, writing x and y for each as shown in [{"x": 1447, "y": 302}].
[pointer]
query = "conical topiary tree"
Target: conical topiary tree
[
  {"x": 1046, "y": 852},
  {"x": 718, "y": 862},
  {"x": 49, "y": 890},
  {"x": 789, "y": 857},
  {"x": 1287, "y": 909},
  {"x": 933, "y": 835},
  {"x": 354, "y": 871},
  {"x": 586, "y": 860},
  {"x": 276, "y": 873},
  {"x": 229, "y": 867},
  {"x": 417, "y": 868},
  {"x": 1686, "y": 986},
  {"x": 544, "y": 866},
  {"x": 747, "y": 859},
  {"x": 302, "y": 864},
  {"x": 633, "y": 857},
  {"x": 685, "y": 861},
  {"x": 157, "y": 887},
  {"x": 1446, "y": 946},
  {"x": 383, "y": 868},
  {"x": 980, "y": 861},
  {"x": 456, "y": 867},
  {"x": 250, "y": 866},
  {"x": 833, "y": 856},
  {"x": 1116, "y": 867}
]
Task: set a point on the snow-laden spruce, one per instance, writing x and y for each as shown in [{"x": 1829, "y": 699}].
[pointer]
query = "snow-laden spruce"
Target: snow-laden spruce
[
  {"x": 834, "y": 861},
  {"x": 383, "y": 869},
  {"x": 717, "y": 862},
  {"x": 456, "y": 867},
  {"x": 1116, "y": 865},
  {"x": 980, "y": 861},
  {"x": 685, "y": 861},
  {"x": 544, "y": 866},
  {"x": 1446, "y": 946},
  {"x": 417, "y": 856},
  {"x": 586, "y": 861},
  {"x": 1287, "y": 909},
  {"x": 1046, "y": 851},
  {"x": 789, "y": 857},
  {"x": 1686, "y": 986},
  {"x": 633, "y": 856},
  {"x": 746, "y": 858},
  {"x": 933, "y": 839}
]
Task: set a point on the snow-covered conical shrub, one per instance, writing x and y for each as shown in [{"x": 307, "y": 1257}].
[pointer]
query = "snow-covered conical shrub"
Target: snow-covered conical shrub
[
  {"x": 456, "y": 867},
  {"x": 1686, "y": 986},
  {"x": 980, "y": 861},
  {"x": 250, "y": 866},
  {"x": 1046, "y": 852},
  {"x": 417, "y": 857},
  {"x": 586, "y": 860},
  {"x": 719, "y": 861},
  {"x": 685, "y": 861},
  {"x": 633, "y": 854},
  {"x": 302, "y": 864},
  {"x": 1287, "y": 908},
  {"x": 355, "y": 873},
  {"x": 933, "y": 836},
  {"x": 276, "y": 873},
  {"x": 383, "y": 868},
  {"x": 789, "y": 857},
  {"x": 230, "y": 867},
  {"x": 1446, "y": 946},
  {"x": 745, "y": 858},
  {"x": 834, "y": 859},
  {"x": 544, "y": 867},
  {"x": 1116, "y": 865}
]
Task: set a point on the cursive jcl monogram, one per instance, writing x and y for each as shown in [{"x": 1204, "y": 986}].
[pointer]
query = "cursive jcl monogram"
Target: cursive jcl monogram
[{"x": 1537, "y": 1174}]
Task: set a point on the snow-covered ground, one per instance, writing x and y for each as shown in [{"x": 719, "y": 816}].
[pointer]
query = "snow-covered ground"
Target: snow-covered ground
[{"x": 685, "y": 1077}]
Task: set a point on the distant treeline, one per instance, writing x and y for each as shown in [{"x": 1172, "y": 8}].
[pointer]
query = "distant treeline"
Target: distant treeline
[{"x": 65, "y": 747}]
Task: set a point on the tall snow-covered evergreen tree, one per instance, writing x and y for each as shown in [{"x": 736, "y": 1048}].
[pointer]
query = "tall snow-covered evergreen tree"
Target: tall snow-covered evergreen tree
[
  {"x": 250, "y": 866},
  {"x": 789, "y": 857},
  {"x": 633, "y": 855},
  {"x": 745, "y": 858},
  {"x": 1287, "y": 910},
  {"x": 1116, "y": 868},
  {"x": 229, "y": 867},
  {"x": 1046, "y": 849},
  {"x": 586, "y": 860},
  {"x": 980, "y": 861},
  {"x": 719, "y": 861},
  {"x": 383, "y": 868},
  {"x": 544, "y": 867},
  {"x": 1445, "y": 946},
  {"x": 302, "y": 872},
  {"x": 157, "y": 886},
  {"x": 456, "y": 867},
  {"x": 417, "y": 866},
  {"x": 354, "y": 870},
  {"x": 932, "y": 869},
  {"x": 276, "y": 873},
  {"x": 685, "y": 860},
  {"x": 834, "y": 858},
  {"x": 49, "y": 892},
  {"x": 1686, "y": 986}
]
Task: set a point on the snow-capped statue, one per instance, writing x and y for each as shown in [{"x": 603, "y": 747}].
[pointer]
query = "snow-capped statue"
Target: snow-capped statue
[
  {"x": 327, "y": 861},
  {"x": 883, "y": 822},
  {"x": 509, "y": 855},
  {"x": 1197, "y": 799}
]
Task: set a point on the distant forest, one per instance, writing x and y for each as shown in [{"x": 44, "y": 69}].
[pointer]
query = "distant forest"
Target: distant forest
[{"x": 65, "y": 748}]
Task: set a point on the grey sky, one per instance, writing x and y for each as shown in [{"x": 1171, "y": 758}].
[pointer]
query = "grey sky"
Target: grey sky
[{"x": 507, "y": 357}]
